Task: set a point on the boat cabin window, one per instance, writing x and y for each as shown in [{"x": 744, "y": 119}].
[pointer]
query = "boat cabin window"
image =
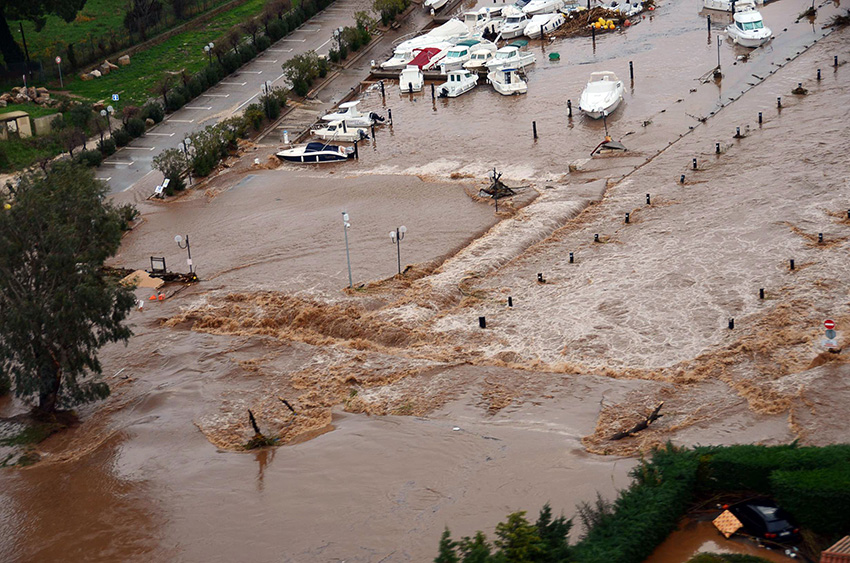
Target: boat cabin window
[
  {"x": 456, "y": 53},
  {"x": 514, "y": 19},
  {"x": 749, "y": 26},
  {"x": 505, "y": 54},
  {"x": 507, "y": 78}
]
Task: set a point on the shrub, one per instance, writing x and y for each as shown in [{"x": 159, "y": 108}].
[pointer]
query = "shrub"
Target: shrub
[
  {"x": 128, "y": 214},
  {"x": 196, "y": 87},
  {"x": 154, "y": 111},
  {"x": 263, "y": 43},
  {"x": 122, "y": 138},
  {"x": 247, "y": 53},
  {"x": 213, "y": 74},
  {"x": 818, "y": 499},
  {"x": 175, "y": 101},
  {"x": 254, "y": 114},
  {"x": 333, "y": 55},
  {"x": 323, "y": 67},
  {"x": 232, "y": 62},
  {"x": 343, "y": 51},
  {"x": 5, "y": 384},
  {"x": 172, "y": 164},
  {"x": 301, "y": 71},
  {"x": 107, "y": 147},
  {"x": 135, "y": 127},
  {"x": 277, "y": 29},
  {"x": 271, "y": 106},
  {"x": 91, "y": 158}
]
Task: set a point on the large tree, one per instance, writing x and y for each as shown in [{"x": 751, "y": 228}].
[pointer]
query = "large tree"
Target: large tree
[
  {"x": 56, "y": 306},
  {"x": 35, "y": 11}
]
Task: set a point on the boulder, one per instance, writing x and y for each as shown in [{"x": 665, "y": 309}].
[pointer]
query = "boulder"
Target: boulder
[
  {"x": 95, "y": 74},
  {"x": 104, "y": 70},
  {"x": 109, "y": 65},
  {"x": 42, "y": 91},
  {"x": 41, "y": 100},
  {"x": 2, "y": 103},
  {"x": 149, "y": 122},
  {"x": 86, "y": 76},
  {"x": 16, "y": 90},
  {"x": 21, "y": 99},
  {"x": 32, "y": 93},
  {"x": 6, "y": 97},
  {"x": 124, "y": 60}
]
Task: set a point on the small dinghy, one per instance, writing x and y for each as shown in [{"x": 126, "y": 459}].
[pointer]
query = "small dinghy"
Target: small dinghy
[
  {"x": 507, "y": 81},
  {"x": 602, "y": 95},
  {"x": 315, "y": 153}
]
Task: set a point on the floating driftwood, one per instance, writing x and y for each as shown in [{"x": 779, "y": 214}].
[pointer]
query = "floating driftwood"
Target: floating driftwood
[{"x": 642, "y": 425}]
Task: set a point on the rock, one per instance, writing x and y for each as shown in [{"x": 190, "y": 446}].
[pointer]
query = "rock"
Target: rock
[
  {"x": 16, "y": 90},
  {"x": 42, "y": 91},
  {"x": 86, "y": 76},
  {"x": 98, "y": 106},
  {"x": 95, "y": 74},
  {"x": 41, "y": 100},
  {"x": 31, "y": 93},
  {"x": 2, "y": 103},
  {"x": 6, "y": 97},
  {"x": 109, "y": 65},
  {"x": 149, "y": 122},
  {"x": 124, "y": 61},
  {"x": 104, "y": 70},
  {"x": 21, "y": 99}
]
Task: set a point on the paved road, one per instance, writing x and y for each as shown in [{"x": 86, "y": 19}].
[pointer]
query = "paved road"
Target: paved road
[{"x": 132, "y": 164}]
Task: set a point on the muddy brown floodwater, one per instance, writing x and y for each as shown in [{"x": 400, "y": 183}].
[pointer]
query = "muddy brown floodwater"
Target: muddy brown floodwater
[{"x": 412, "y": 418}]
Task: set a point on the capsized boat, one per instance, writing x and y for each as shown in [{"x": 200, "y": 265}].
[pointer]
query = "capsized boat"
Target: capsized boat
[
  {"x": 511, "y": 56},
  {"x": 478, "y": 59},
  {"x": 730, "y": 5},
  {"x": 542, "y": 7},
  {"x": 545, "y": 22},
  {"x": 411, "y": 79},
  {"x": 602, "y": 95},
  {"x": 625, "y": 8},
  {"x": 748, "y": 30},
  {"x": 340, "y": 131},
  {"x": 315, "y": 152},
  {"x": 349, "y": 113},
  {"x": 457, "y": 82},
  {"x": 507, "y": 81}
]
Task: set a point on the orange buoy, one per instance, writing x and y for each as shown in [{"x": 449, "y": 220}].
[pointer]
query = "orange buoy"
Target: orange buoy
[
  {"x": 627, "y": 23},
  {"x": 152, "y": 298},
  {"x": 161, "y": 297}
]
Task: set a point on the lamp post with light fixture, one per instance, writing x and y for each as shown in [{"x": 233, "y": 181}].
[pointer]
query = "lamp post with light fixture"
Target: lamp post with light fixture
[
  {"x": 345, "y": 226},
  {"x": 179, "y": 240},
  {"x": 396, "y": 237}
]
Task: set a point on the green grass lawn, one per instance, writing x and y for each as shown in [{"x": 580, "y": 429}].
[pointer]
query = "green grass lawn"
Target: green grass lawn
[
  {"x": 25, "y": 152},
  {"x": 33, "y": 109},
  {"x": 135, "y": 83}
]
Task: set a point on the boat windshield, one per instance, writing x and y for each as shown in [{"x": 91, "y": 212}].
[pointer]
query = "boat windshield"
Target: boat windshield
[
  {"x": 749, "y": 26},
  {"x": 505, "y": 54},
  {"x": 455, "y": 53},
  {"x": 514, "y": 19},
  {"x": 479, "y": 57},
  {"x": 470, "y": 18}
]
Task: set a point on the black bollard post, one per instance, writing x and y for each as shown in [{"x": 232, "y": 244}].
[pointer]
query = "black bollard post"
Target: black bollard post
[
  {"x": 835, "y": 61},
  {"x": 592, "y": 29},
  {"x": 373, "y": 129},
  {"x": 627, "y": 218},
  {"x": 792, "y": 263},
  {"x": 540, "y": 278},
  {"x": 410, "y": 87},
  {"x": 779, "y": 102},
  {"x": 737, "y": 132},
  {"x": 534, "y": 129},
  {"x": 596, "y": 238},
  {"x": 569, "y": 108},
  {"x": 572, "y": 258},
  {"x": 383, "y": 94},
  {"x": 510, "y": 301},
  {"x": 716, "y": 148},
  {"x": 695, "y": 164},
  {"x": 433, "y": 94},
  {"x": 761, "y": 293},
  {"x": 820, "y": 238},
  {"x": 344, "y": 127},
  {"x": 759, "y": 118},
  {"x": 482, "y": 322},
  {"x": 631, "y": 71},
  {"x": 709, "y": 22},
  {"x": 648, "y": 201},
  {"x": 682, "y": 179},
  {"x": 848, "y": 213},
  {"x": 390, "y": 116},
  {"x": 818, "y": 74},
  {"x": 731, "y": 324}
]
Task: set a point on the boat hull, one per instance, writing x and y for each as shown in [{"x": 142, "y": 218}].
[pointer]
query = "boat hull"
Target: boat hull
[
  {"x": 747, "y": 41},
  {"x": 435, "y": 4},
  {"x": 311, "y": 158},
  {"x": 597, "y": 113}
]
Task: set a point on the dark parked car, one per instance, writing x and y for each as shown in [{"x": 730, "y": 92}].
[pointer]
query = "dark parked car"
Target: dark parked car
[{"x": 763, "y": 519}]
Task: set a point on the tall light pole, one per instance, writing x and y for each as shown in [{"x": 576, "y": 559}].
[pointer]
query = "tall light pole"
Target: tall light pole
[
  {"x": 345, "y": 226},
  {"x": 179, "y": 240},
  {"x": 208, "y": 50},
  {"x": 396, "y": 237},
  {"x": 187, "y": 142},
  {"x": 106, "y": 113}
]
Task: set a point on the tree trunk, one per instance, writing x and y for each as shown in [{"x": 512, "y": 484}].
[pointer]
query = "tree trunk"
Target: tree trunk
[
  {"x": 49, "y": 393},
  {"x": 8, "y": 46}
]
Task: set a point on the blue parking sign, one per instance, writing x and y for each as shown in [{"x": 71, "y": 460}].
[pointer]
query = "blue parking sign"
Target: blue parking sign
[{"x": 114, "y": 97}]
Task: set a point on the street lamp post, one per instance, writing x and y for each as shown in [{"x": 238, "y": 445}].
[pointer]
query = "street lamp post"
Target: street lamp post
[
  {"x": 106, "y": 113},
  {"x": 186, "y": 143},
  {"x": 345, "y": 226},
  {"x": 396, "y": 237},
  {"x": 179, "y": 240},
  {"x": 208, "y": 50}
]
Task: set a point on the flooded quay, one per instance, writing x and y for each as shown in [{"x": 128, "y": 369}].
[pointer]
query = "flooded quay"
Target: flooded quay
[{"x": 411, "y": 417}]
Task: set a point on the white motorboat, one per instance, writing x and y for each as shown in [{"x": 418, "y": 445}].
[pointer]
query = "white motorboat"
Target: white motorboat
[
  {"x": 349, "y": 113},
  {"x": 419, "y": 56},
  {"x": 627, "y": 8},
  {"x": 748, "y": 30},
  {"x": 315, "y": 153},
  {"x": 452, "y": 31},
  {"x": 542, "y": 7},
  {"x": 511, "y": 56},
  {"x": 339, "y": 131},
  {"x": 602, "y": 95},
  {"x": 457, "y": 82},
  {"x": 434, "y": 4},
  {"x": 730, "y": 5},
  {"x": 547, "y": 23},
  {"x": 513, "y": 25},
  {"x": 482, "y": 21},
  {"x": 507, "y": 81},
  {"x": 411, "y": 79},
  {"x": 462, "y": 52},
  {"x": 478, "y": 59}
]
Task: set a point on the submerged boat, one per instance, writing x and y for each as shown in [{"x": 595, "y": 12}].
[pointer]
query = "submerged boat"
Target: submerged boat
[
  {"x": 547, "y": 23},
  {"x": 478, "y": 59},
  {"x": 411, "y": 79},
  {"x": 449, "y": 33},
  {"x": 507, "y": 81},
  {"x": 315, "y": 153},
  {"x": 748, "y": 30},
  {"x": 602, "y": 95},
  {"x": 349, "y": 113},
  {"x": 457, "y": 82},
  {"x": 511, "y": 56},
  {"x": 542, "y": 7},
  {"x": 462, "y": 52},
  {"x": 731, "y": 5},
  {"x": 340, "y": 131}
]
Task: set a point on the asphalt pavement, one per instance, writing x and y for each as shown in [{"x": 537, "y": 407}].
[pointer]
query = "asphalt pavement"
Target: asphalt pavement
[{"x": 133, "y": 164}]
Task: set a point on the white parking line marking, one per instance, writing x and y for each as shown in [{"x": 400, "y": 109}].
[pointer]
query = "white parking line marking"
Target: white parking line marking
[
  {"x": 160, "y": 134},
  {"x": 266, "y": 61},
  {"x": 119, "y": 162},
  {"x": 279, "y": 50},
  {"x": 216, "y": 95},
  {"x": 293, "y": 40},
  {"x": 140, "y": 148},
  {"x": 181, "y": 121},
  {"x": 198, "y": 107},
  {"x": 323, "y": 44},
  {"x": 233, "y": 83},
  {"x": 251, "y": 72},
  {"x": 104, "y": 179}
]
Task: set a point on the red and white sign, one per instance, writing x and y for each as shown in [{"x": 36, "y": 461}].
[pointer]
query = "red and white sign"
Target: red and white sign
[
  {"x": 829, "y": 324},
  {"x": 58, "y": 60}
]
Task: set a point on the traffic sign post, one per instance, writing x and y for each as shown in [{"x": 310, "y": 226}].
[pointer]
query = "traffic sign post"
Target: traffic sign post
[
  {"x": 829, "y": 324},
  {"x": 830, "y": 333},
  {"x": 114, "y": 97},
  {"x": 59, "y": 64}
]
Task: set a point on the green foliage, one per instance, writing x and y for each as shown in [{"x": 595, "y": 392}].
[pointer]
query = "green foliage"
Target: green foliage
[
  {"x": 263, "y": 43},
  {"x": 301, "y": 71},
  {"x": 518, "y": 540},
  {"x": 232, "y": 62},
  {"x": 36, "y": 12},
  {"x": 128, "y": 213},
  {"x": 254, "y": 114},
  {"x": 107, "y": 147},
  {"x": 122, "y": 137},
  {"x": 270, "y": 105},
  {"x": 447, "y": 547},
  {"x": 5, "y": 384},
  {"x": 136, "y": 127},
  {"x": 247, "y": 53},
  {"x": 818, "y": 498},
  {"x": 172, "y": 163},
  {"x": 554, "y": 535},
  {"x": 91, "y": 158},
  {"x": 333, "y": 55},
  {"x": 176, "y": 101},
  {"x": 58, "y": 308},
  {"x": 152, "y": 110},
  {"x": 389, "y": 9},
  {"x": 475, "y": 550},
  {"x": 79, "y": 115}
]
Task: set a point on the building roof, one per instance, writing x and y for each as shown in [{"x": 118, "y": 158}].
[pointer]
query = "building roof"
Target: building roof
[{"x": 837, "y": 553}]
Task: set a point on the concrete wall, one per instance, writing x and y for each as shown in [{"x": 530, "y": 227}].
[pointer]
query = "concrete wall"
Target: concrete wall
[{"x": 42, "y": 126}]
